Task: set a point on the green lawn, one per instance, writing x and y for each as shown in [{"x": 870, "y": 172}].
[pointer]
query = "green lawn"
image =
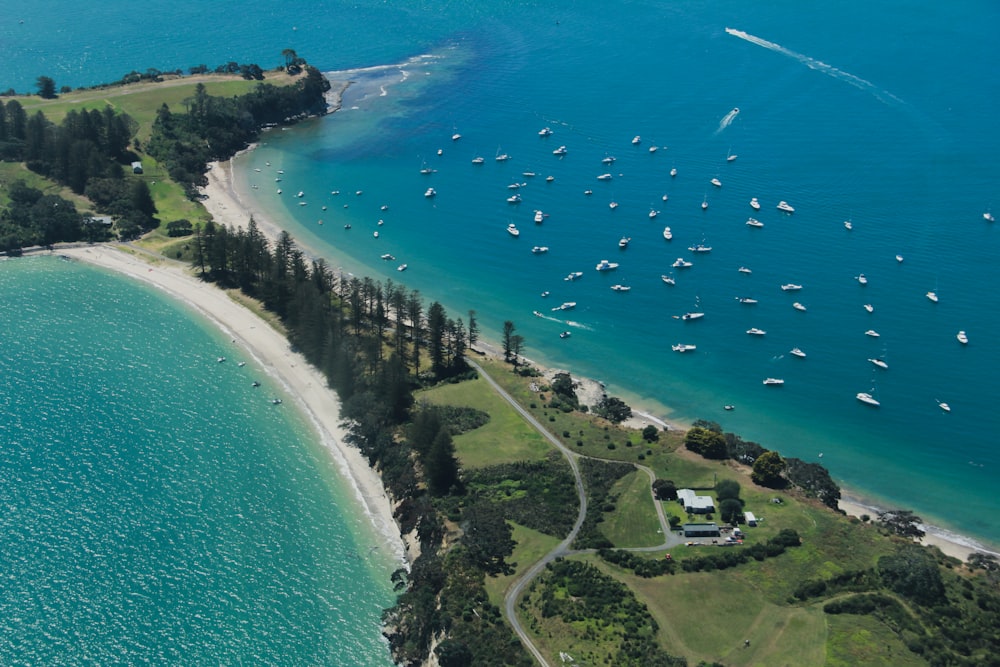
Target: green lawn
[
  {"x": 706, "y": 616},
  {"x": 506, "y": 438},
  {"x": 634, "y": 522}
]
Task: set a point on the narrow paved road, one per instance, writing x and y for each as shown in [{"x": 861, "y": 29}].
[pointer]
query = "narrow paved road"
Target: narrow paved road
[{"x": 562, "y": 549}]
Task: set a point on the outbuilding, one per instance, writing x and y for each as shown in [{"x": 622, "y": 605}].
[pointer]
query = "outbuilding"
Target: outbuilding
[
  {"x": 137, "y": 167},
  {"x": 750, "y": 518},
  {"x": 701, "y": 530}
]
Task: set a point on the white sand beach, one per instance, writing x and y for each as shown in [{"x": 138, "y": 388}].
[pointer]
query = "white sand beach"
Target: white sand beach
[{"x": 271, "y": 350}]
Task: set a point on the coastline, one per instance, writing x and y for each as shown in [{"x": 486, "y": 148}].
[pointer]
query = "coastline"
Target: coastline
[
  {"x": 271, "y": 350},
  {"x": 227, "y": 205}
]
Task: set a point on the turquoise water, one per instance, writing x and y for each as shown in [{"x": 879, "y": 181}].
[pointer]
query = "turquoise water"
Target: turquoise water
[
  {"x": 157, "y": 507},
  {"x": 868, "y": 112}
]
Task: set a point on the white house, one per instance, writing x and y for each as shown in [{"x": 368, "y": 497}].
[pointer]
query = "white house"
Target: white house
[{"x": 695, "y": 504}]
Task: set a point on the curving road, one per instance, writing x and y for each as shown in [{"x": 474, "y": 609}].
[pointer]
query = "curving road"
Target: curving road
[{"x": 561, "y": 549}]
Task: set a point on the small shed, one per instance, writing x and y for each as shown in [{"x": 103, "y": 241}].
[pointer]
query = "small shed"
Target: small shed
[
  {"x": 136, "y": 167},
  {"x": 750, "y": 518},
  {"x": 701, "y": 530}
]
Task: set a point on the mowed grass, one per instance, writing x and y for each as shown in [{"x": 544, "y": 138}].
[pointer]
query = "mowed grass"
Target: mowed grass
[
  {"x": 707, "y": 616},
  {"x": 585, "y": 434},
  {"x": 634, "y": 522},
  {"x": 142, "y": 100},
  {"x": 855, "y": 640},
  {"x": 504, "y": 439}
]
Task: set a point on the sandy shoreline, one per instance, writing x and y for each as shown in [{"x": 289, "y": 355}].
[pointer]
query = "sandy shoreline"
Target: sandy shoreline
[{"x": 271, "y": 350}]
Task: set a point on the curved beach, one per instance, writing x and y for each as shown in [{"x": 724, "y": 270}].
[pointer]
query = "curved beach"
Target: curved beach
[{"x": 271, "y": 350}]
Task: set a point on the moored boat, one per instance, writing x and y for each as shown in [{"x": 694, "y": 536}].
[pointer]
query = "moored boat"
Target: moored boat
[
  {"x": 605, "y": 265},
  {"x": 754, "y": 222},
  {"x": 867, "y": 398},
  {"x": 754, "y": 331},
  {"x": 683, "y": 347},
  {"x": 791, "y": 287},
  {"x": 872, "y": 333},
  {"x": 881, "y": 364},
  {"x": 688, "y": 317},
  {"x": 799, "y": 306},
  {"x": 785, "y": 206},
  {"x": 932, "y": 296},
  {"x": 774, "y": 382},
  {"x": 668, "y": 279},
  {"x": 667, "y": 234},
  {"x": 681, "y": 263},
  {"x": 754, "y": 204},
  {"x": 796, "y": 352},
  {"x": 513, "y": 230},
  {"x": 962, "y": 337},
  {"x": 621, "y": 288}
]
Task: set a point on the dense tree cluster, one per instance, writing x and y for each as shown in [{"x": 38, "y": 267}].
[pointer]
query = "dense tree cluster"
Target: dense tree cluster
[
  {"x": 214, "y": 128},
  {"x": 87, "y": 152},
  {"x": 563, "y": 393},
  {"x": 768, "y": 470},
  {"x": 33, "y": 218},
  {"x": 815, "y": 480},
  {"x": 614, "y": 409}
]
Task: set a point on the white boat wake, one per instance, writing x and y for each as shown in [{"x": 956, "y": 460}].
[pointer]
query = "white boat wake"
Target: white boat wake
[
  {"x": 728, "y": 119},
  {"x": 820, "y": 66}
]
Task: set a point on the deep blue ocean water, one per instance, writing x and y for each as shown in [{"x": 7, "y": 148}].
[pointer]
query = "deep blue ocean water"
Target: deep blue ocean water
[{"x": 872, "y": 113}]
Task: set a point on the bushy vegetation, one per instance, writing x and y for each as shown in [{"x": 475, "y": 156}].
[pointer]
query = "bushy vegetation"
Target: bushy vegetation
[
  {"x": 539, "y": 494},
  {"x": 944, "y": 617},
  {"x": 593, "y": 606},
  {"x": 33, "y": 218},
  {"x": 598, "y": 478}
]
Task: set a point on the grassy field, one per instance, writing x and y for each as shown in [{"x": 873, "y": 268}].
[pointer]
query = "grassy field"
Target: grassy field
[
  {"x": 142, "y": 100},
  {"x": 506, "y": 438},
  {"x": 634, "y": 522}
]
